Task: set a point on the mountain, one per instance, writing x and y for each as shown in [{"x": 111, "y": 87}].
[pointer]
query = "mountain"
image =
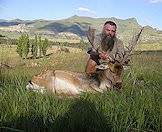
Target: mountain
[{"x": 78, "y": 26}]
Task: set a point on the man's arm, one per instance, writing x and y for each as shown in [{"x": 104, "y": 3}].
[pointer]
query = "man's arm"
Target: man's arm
[{"x": 94, "y": 50}]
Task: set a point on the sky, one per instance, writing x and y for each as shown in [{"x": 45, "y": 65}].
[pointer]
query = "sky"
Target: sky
[{"x": 147, "y": 12}]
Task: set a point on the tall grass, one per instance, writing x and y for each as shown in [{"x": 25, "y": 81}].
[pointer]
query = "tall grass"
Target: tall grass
[{"x": 135, "y": 108}]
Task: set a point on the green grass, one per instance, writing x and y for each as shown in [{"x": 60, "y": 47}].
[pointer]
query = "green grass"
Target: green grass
[
  {"x": 146, "y": 47},
  {"x": 135, "y": 108}
]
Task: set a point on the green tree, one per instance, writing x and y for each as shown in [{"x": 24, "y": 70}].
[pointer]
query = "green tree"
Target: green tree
[
  {"x": 19, "y": 46},
  {"x": 40, "y": 45},
  {"x": 26, "y": 45},
  {"x": 34, "y": 47},
  {"x": 45, "y": 45},
  {"x": 23, "y": 45}
]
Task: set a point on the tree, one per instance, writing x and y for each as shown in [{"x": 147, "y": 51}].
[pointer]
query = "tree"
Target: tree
[
  {"x": 19, "y": 46},
  {"x": 40, "y": 45},
  {"x": 45, "y": 45},
  {"x": 26, "y": 46},
  {"x": 23, "y": 45},
  {"x": 34, "y": 47}
]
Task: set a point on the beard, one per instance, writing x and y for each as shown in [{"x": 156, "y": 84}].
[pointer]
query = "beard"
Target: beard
[{"x": 107, "y": 43}]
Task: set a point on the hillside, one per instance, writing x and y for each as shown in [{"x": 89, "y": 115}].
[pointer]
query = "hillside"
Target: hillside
[{"x": 75, "y": 27}]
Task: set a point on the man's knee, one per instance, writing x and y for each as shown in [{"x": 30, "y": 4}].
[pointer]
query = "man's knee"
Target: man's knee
[{"x": 91, "y": 67}]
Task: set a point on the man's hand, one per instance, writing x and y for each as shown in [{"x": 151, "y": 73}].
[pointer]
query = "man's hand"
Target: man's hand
[{"x": 103, "y": 55}]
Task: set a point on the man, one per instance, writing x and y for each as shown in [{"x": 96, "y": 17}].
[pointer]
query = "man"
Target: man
[{"x": 106, "y": 45}]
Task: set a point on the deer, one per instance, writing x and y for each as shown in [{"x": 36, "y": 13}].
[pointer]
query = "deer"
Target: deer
[
  {"x": 62, "y": 82},
  {"x": 110, "y": 73}
]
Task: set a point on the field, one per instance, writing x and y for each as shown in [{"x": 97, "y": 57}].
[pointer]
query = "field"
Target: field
[{"x": 136, "y": 108}]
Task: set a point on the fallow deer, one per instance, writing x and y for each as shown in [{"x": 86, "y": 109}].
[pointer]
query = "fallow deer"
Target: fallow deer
[{"x": 72, "y": 83}]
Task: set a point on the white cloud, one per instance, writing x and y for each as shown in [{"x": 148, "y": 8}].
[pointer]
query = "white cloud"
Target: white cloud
[
  {"x": 82, "y": 11},
  {"x": 155, "y": 1}
]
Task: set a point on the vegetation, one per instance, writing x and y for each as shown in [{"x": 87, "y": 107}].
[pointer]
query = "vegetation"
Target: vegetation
[
  {"x": 34, "y": 47},
  {"x": 38, "y": 46},
  {"x": 136, "y": 108},
  {"x": 44, "y": 46},
  {"x": 23, "y": 45}
]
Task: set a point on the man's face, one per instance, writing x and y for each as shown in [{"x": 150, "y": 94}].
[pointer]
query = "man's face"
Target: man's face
[{"x": 109, "y": 30}]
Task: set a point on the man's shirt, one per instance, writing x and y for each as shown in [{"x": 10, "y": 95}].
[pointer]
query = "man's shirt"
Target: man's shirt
[{"x": 117, "y": 51}]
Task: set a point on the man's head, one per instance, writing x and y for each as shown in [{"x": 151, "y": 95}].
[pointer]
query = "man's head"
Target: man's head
[
  {"x": 109, "y": 29},
  {"x": 108, "y": 35}
]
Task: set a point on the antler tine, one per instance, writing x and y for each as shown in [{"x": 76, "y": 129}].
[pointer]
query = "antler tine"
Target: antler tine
[
  {"x": 134, "y": 40},
  {"x": 132, "y": 45},
  {"x": 91, "y": 35}
]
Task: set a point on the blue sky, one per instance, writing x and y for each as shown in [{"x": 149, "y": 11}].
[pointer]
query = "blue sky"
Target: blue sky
[{"x": 147, "y": 12}]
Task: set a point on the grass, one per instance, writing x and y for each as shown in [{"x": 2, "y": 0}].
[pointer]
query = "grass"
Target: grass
[
  {"x": 136, "y": 108},
  {"x": 145, "y": 47}
]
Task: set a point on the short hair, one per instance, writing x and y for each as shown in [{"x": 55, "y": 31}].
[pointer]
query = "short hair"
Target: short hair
[{"x": 111, "y": 23}]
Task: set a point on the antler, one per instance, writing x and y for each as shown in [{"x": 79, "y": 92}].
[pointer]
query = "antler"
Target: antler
[
  {"x": 91, "y": 35},
  {"x": 132, "y": 45}
]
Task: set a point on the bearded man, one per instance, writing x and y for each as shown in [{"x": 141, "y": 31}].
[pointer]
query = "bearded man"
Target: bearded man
[{"x": 106, "y": 47}]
